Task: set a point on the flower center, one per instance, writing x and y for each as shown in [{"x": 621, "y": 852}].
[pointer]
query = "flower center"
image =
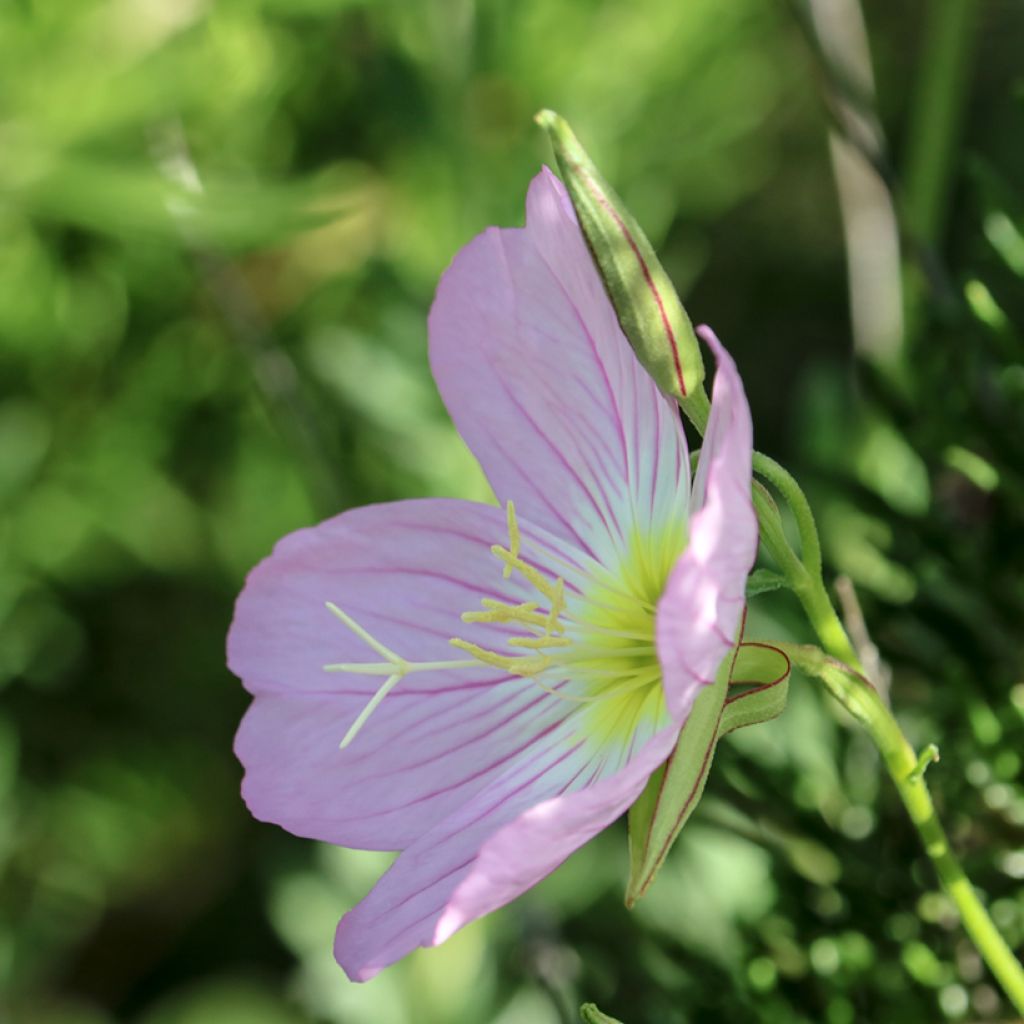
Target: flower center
[{"x": 590, "y": 642}]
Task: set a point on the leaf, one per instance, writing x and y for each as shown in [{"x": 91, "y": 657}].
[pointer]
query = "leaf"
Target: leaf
[
  {"x": 672, "y": 793},
  {"x": 590, "y": 1014}
]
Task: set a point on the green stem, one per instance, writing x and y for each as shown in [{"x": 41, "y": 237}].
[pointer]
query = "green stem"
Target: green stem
[
  {"x": 782, "y": 480},
  {"x": 825, "y": 621},
  {"x": 803, "y": 573},
  {"x": 841, "y": 672},
  {"x": 905, "y": 767}
]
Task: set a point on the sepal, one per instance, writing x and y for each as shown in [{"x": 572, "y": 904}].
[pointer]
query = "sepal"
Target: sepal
[{"x": 750, "y": 687}]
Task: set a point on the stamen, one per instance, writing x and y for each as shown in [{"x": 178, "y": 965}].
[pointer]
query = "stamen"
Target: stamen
[
  {"x": 498, "y": 611},
  {"x": 592, "y": 572},
  {"x": 513, "y": 537},
  {"x": 574, "y": 637},
  {"x": 538, "y": 643},
  {"x": 557, "y": 607},
  {"x": 533, "y": 575},
  {"x": 515, "y": 664}
]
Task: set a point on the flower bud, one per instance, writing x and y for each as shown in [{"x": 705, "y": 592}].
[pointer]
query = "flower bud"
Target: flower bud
[{"x": 648, "y": 308}]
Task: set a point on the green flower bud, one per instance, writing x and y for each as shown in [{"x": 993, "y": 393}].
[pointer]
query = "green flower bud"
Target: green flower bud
[{"x": 648, "y": 308}]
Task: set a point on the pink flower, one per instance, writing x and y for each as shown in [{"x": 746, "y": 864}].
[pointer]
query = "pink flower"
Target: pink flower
[{"x": 537, "y": 662}]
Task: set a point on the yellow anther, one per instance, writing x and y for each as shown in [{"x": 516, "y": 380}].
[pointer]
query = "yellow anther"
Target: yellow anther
[
  {"x": 498, "y": 611},
  {"x": 538, "y": 643},
  {"x": 518, "y": 665},
  {"x": 552, "y": 625},
  {"x": 532, "y": 575},
  {"x": 525, "y": 606},
  {"x": 513, "y": 537}
]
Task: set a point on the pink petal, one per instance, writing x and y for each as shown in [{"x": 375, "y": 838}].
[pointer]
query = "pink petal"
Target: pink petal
[
  {"x": 540, "y": 381},
  {"x": 405, "y": 572},
  {"x": 490, "y": 851},
  {"x": 418, "y": 758},
  {"x": 700, "y": 610}
]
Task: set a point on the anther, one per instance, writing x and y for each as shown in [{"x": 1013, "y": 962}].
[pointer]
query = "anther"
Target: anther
[
  {"x": 531, "y": 574},
  {"x": 517, "y": 665},
  {"x": 557, "y": 607},
  {"x": 513, "y": 537},
  {"x": 538, "y": 643},
  {"x": 498, "y": 611}
]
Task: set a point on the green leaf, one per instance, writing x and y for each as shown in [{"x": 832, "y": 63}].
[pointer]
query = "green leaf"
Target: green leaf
[
  {"x": 590, "y": 1014},
  {"x": 750, "y": 687}
]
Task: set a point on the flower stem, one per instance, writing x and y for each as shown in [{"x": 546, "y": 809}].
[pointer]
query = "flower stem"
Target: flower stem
[
  {"x": 841, "y": 671},
  {"x": 782, "y": 480},
  {"x": 860, "y": 698},
  {"x": 825, "y": 622}
]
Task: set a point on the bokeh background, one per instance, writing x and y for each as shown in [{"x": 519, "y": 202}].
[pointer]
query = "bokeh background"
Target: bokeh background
[{"x": 221, "y": 224}]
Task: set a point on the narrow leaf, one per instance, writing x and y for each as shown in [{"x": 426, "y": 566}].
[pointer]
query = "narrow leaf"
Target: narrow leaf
[{"x": 590, "y": 1014}]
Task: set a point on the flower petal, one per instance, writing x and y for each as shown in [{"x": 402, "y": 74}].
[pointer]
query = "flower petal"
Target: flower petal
[
  {"x": 490, "y": 851},
  {"x": 417, "y": 758},
  {"x": 700, "y": 610},
  {"x": 542, "y": 384},
  {"x": 406, "y": 572}
]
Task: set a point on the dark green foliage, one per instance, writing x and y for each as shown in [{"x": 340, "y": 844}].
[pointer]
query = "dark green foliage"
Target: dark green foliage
[{"x": 220, "y": 229}]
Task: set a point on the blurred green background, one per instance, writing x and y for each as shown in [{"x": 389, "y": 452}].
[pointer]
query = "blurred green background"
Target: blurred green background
[{"x": 221, "y": 224}]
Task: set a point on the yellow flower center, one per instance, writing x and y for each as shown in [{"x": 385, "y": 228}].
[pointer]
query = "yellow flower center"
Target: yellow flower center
[{"x": 591, "y": 642}]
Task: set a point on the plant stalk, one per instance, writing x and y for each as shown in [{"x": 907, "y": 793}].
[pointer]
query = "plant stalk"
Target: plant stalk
[{"x": 906, "y": 768}]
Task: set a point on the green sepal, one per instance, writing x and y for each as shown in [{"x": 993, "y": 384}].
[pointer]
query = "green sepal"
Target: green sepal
[
  {"x": 673, "y": 791},
  {"x": 590, "y": 1014},
  {"x": 648, "y": 308},
  {"x": 750, "y": 687},
  {"x": 764, "y": 670}
]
